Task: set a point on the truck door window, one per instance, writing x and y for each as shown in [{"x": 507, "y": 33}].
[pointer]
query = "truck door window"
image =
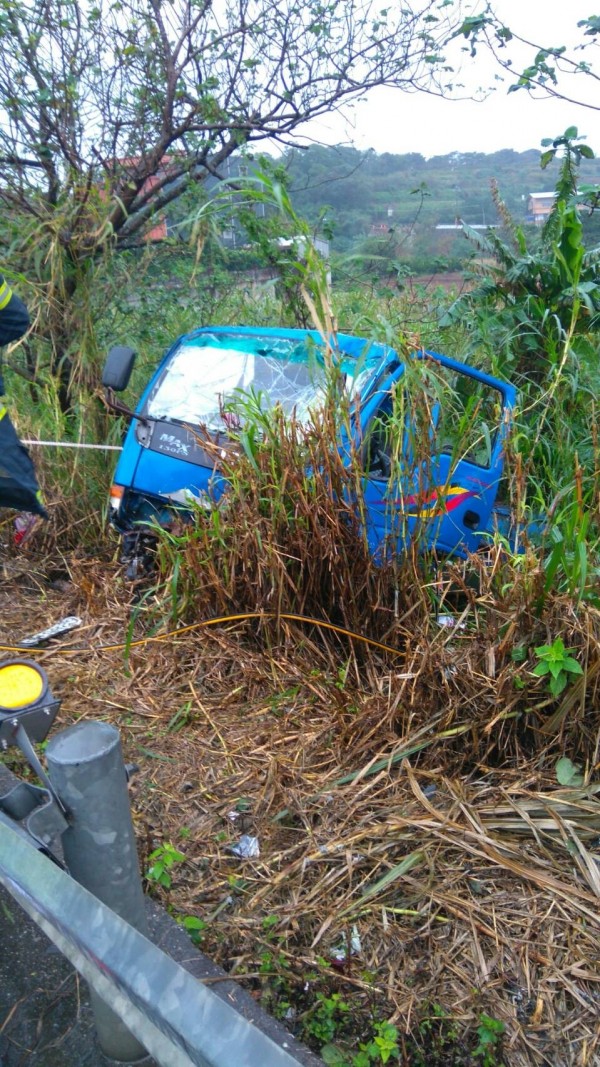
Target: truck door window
[
  {"x": 434, "y": 411},
  {"x": 379, "y": 446},
  {"x": 470, "y": 419},
  {"x": 401, "y": 431}
]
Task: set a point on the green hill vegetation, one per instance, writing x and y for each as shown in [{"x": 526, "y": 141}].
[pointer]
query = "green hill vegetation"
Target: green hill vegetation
[
  {"x": 358, "y": 190},
  {"x": 386, "y": 209}
]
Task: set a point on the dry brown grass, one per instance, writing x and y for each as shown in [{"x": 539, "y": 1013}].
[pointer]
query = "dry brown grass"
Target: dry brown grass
[{"x": 412, "y": 797}]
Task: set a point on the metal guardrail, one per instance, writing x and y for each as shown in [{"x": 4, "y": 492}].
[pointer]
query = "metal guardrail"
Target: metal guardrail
[{"x": 175, "y": 1017}]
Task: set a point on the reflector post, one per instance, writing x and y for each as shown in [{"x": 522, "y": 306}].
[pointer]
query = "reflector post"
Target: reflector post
[{"x": 25, "y": 700}]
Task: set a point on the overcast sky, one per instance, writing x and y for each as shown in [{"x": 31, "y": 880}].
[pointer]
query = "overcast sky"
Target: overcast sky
[{"x": 392, "y": 121}]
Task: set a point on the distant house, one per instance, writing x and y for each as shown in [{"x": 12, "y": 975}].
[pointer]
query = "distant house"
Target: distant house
[
  {"x": 380, "y": 229},
  {"x": 297, "y": 245},
  {"x": 319, "y": 244},
  {"x": 539, "y": 206},
  {"x": 471, "y": 225},
  {"x": 404, "y": 230},
  {"x": 158, "y": 230}
]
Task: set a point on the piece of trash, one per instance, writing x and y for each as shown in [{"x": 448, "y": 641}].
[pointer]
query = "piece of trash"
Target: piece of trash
[
  {"x": 71, "y": 622},
  {"x": 340, "y": 952},
  {"x": 429, "y": 790},
  {"x": 449, "y": 621},
  {"x": 247, "y": 847},
  {"x": 24, "y": 525},
  {"x": 242, "y": 807}
]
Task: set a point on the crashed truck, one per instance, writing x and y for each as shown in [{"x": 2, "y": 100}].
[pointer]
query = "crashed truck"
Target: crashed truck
[{"x": 451, "y": 501}]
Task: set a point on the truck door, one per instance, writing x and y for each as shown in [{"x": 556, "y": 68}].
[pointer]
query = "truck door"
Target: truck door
[{"x": 432, "y": 451}]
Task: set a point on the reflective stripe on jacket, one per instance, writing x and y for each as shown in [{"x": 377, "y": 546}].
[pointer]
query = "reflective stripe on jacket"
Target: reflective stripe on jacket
[
  {"x": 5, "y": 293},
  {"x": 14, "y": 317}
]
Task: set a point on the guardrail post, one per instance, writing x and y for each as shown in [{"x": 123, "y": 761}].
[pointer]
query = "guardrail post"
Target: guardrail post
[{"x": 85, "y": 766}]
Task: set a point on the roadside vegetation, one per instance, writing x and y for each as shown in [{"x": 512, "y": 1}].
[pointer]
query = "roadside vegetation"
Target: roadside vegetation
[{"x": 416, "y": 753}]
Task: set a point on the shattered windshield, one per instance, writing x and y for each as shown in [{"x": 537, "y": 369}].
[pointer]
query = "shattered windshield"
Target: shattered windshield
[{"x": 207, "y": 372}]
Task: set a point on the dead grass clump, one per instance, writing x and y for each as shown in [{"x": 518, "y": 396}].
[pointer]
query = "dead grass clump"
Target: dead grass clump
[
  {"x": 289, "y": 540},
  {"x": 385, "y": 873},
  {"x": 417, "y": 855}
]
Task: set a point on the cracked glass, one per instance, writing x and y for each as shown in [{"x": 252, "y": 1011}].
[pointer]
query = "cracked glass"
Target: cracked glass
[{"x": 206, "y": 374}]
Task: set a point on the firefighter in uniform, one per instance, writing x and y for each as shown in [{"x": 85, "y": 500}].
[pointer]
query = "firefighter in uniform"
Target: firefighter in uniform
[
  {"x": 18, "y": 483},
  {"x": 14, "y": 317}
]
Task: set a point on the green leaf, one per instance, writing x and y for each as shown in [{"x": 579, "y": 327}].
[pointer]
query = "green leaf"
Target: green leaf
[
  {"x": 557, "y": 684},
  {"x": 333, "y": 1056},
  {"x": 541, "y": 669},
  {"x": 192, "y": 922},
  {"x": 570, "y": 664},
  {"x": 473, "y": 24},
  {"x": 554, "y": 651},
  {"x": 568, "y": 773},
  {"x": 402, "y": 868},
  {"x": 556, "y": 668},
  {"x": 593, "y": 24}
]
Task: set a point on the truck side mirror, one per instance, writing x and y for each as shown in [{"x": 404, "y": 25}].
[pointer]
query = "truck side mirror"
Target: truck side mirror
[{"x": 118, "y": 368}]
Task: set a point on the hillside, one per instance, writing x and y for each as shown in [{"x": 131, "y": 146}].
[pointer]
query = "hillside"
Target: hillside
[{"x": 359, "y": 190}]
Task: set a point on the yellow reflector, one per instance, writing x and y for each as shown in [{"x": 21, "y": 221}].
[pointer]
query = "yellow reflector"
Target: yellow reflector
[{"x": 20, "y": 685}]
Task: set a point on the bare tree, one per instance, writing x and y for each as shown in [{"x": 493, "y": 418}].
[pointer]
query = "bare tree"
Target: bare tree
[{"x": 110, "y": 109}]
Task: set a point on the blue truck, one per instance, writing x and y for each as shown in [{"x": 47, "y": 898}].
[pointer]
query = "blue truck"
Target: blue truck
[{"x": 451, "y": 499}]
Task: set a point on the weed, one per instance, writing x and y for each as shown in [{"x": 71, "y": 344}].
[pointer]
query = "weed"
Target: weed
[
  {"x": 490, "y": 1033},
  {"x": 279, "y": 701},
  {"x": 162, "y": 860},
  {"x": 382, "y": 1048},
  {"x": 195, "y": 928},
  {"x": 277, "y": 981},
  {"x": 556, "y": 661},
  {"x": 326, "y": 1017},
  {"x": 436, "y": 1041},
  {"x": 180, "y": 719}
]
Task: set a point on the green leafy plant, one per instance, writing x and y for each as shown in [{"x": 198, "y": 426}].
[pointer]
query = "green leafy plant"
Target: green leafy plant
[
  {"x": 195, "y": 928},
  {"x": 556, "y": 662},
  {"x": 162, "y": 860},
  {"x": 535, "y": 295},
  {"x": 268, "y": 923},
  {"x": 381, "y": 1049},
  {"x": 490, "y": 1033},
  {"x": 572, "y": 548},
  {"x": 326, "y": 1016}
]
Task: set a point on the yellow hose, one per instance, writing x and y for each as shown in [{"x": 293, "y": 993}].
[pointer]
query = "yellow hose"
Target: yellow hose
[{"x": 126, "y": 645}]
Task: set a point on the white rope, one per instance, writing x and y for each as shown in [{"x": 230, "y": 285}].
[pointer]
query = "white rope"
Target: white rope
[{"x": 72, "y": 444}]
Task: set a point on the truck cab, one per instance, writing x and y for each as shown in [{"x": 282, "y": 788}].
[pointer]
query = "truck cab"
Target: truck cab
[{"x": 430, "y": 430}]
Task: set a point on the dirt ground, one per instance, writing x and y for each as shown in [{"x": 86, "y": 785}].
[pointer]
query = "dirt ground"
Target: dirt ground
[{"x": 381, "y": 884}]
